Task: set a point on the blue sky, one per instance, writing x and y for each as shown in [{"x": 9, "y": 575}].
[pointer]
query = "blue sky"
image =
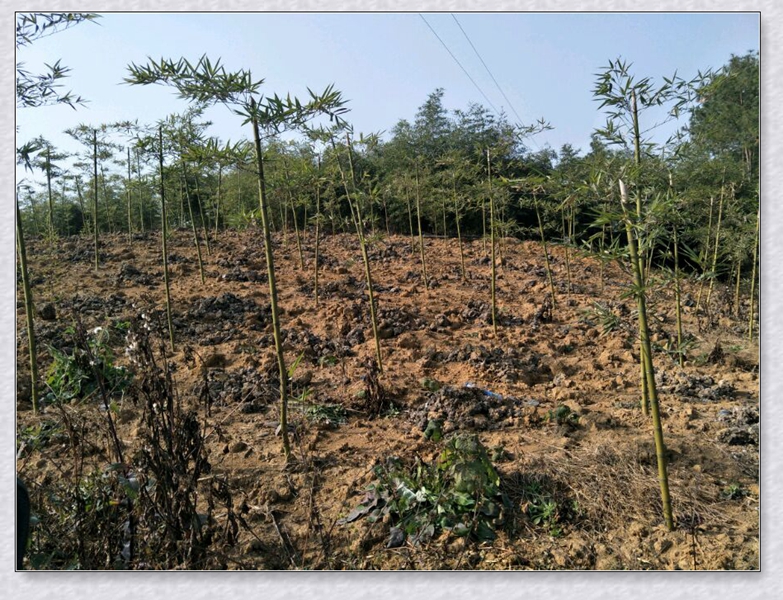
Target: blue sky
[{"x": 384, "y": 63}]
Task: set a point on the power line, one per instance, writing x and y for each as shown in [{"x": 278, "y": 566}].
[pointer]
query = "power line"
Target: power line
[
  {"x": 471, "y": 78},
  {"x": 460, "y": 64},
  {"x": 519, "y": 119},
  {"x": 486, "y": 67}
]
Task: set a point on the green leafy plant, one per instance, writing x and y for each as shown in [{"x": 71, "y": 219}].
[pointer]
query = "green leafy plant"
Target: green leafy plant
[
  {"x": 603, "y": 314},
  {"x": 328, "y": 414},
  {"x": 40, "y": 435},
  {"x": 542, "y": 509},
  {"x": 562, "y": 415},
  {"x": 458, "y": 493},
  {"x": 734, "y": 491},
  {"x": 77, "y": 376}
]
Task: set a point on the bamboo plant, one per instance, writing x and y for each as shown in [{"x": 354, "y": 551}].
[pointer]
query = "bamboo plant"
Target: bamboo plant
[
  {"x": 421, "y": 234},
  {"x": 753, "y": 275},
  {"x": 356, "y": 214},
  {"x": 493, "y": 266},
  {"x": 28, "y": 307},
  {"x": 209, "y": 83},
  {"x": 652, "y": 395},
  {"x": 164, "y": 235}
]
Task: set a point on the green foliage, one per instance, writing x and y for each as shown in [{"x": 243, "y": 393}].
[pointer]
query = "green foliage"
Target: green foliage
[
  {"x": 459, "y": 493},
  {"x": 609, "y": 321},
  {"x": 41, "y": 89},
  {"x": 209, "y": 83},
  {"x": 562, "y": 415},
  {"x": 726, "y": 119},
  {"x": 429, "y": 384},
  {"x": 40, "y": 435},
  {"x": 79, "y": 525},
  {"x": 542, "y": 509},
  {"x": 79, "y": 374},
  {"x": 327, "y": 414},
  {"x": 734, "y": 491}
]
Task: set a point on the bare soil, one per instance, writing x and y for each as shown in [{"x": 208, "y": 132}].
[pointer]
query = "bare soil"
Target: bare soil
[{"x": 600, "y": 467}]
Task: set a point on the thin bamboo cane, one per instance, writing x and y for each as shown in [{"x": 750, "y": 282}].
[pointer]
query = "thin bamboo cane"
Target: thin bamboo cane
[
  {"x": 660, "y": 448},
  {"x": 28, "y": 307},
  {"x": 164, "y": 235},
  {"x": 270, "y": 265},
  {"x": 492, "y": 244}
]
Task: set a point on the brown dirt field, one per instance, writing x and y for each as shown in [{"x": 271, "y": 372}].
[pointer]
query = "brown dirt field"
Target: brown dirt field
[{"x": 602, "y": 467}]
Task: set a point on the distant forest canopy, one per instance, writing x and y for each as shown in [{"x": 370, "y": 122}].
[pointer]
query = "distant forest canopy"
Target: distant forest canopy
[{"x": 709, "y": 171}]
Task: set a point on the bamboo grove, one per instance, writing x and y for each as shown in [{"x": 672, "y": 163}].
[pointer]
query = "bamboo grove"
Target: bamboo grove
[{"x": 687, "y": 208}]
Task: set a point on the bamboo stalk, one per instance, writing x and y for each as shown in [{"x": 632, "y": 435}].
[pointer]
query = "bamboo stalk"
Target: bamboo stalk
[
  {"x": 164, "y": 235},
  {"x": 410, "y": 218},
  {"x": 293, "y": 214},
  {"x": 546, "y": 253},
  {"x": 677, "y": 286},
  {"x": 492, "y": 244},
  {"x": 567, "y": 253},
  {"x": 317, "y": 227},
  {"x": 28, "y": 307},
  {"x": 459, "y": 233},
  {"x": 660, "y": 448},
  {"x": 715, "y": 251},
  {"x": 141, "y": 198},
  {"x": 483, "y": 226},
  {"x": 357, "y": 215},
  {"x": 421, "y": 235},
  {"x": 737, "y": 288},
  {"x": 49, "y": 192},
  {"x": 95, "y": 192},
  {"x": 601, "y": 246},
  {"x": 79, "y": 197},
  {"x": 196, "y": 240},
  {"x": 217, "y": 201},
  {"x": 204, "y": 227},
  {"x": 130, "y": 218},
  {"x": 753, "y": 276},
  {"x": 705, "y": 253},
  {"x": 270, "y": 265}
]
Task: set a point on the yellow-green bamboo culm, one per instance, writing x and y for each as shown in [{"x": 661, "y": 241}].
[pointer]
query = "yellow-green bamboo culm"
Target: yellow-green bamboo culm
[
  {"x": 357, "y": 218},
  {"x": 459, "y": 232},
  {"x": 492, "y": 244},
  {"x": 714, "y": 268},
  {"x": 196, "y": 240},
  {"x": 546, "y": 253},
  {"x": 677, "y": 289},
  {"x": 164, "y": 235},
  {"x": 421, "y": 235},
  {"x": 317, "y": 227},
  {"x": 95, "y": 193},
  {"x": 270, "y": 266},
  {"x": 28, "y": 308},
  {"x": 646, "y": 355},
  {"x": 753, "y": 276}
]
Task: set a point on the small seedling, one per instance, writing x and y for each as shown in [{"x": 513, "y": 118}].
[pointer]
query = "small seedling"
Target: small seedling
[
  {"x": 562, "y": 415},
  {"x": 734, "y": 491},
  {"x": 432, "y": 385}
]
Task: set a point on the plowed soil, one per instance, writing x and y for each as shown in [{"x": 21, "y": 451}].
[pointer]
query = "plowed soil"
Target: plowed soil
[{"x": 599, "y": 464}]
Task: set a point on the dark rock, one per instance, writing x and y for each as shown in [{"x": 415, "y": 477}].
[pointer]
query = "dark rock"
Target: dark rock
[{"x": 47, "y": 312}]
